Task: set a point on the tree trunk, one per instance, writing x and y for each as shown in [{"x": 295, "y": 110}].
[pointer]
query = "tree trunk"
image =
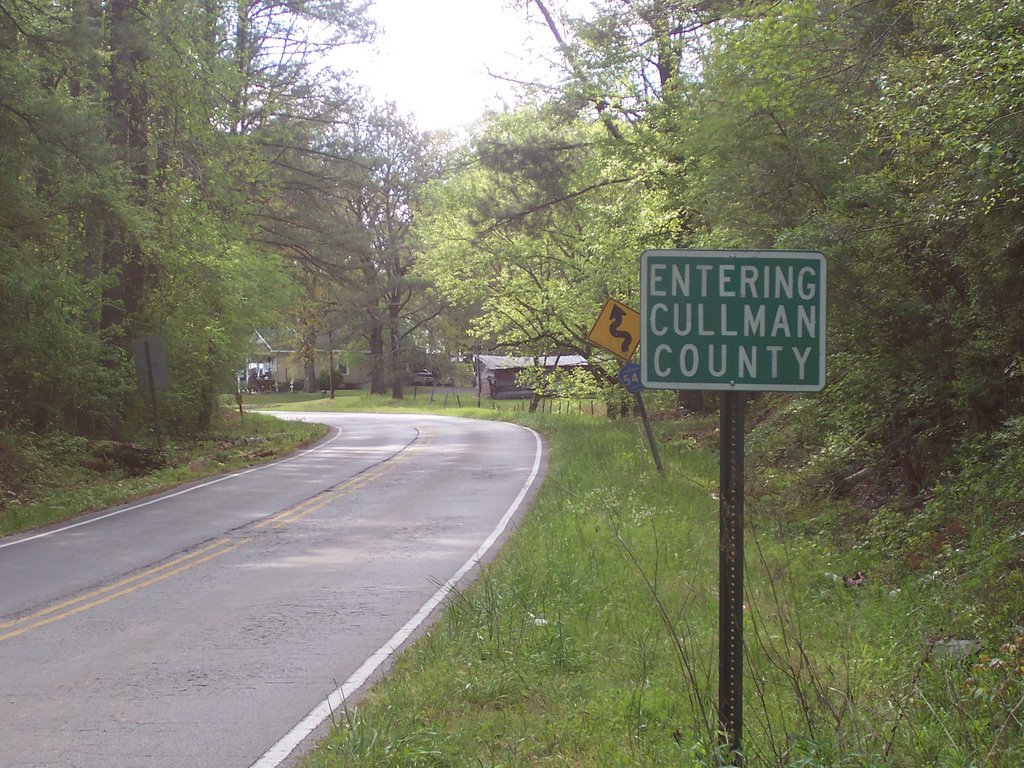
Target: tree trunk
[
  {"x": 309, "y": 360},
  {"x": 242, "y": 62},
  {"x": 397, "y": 369},
  {"x": 128, "y": 107},
  {"x": 377, "y": 385}
]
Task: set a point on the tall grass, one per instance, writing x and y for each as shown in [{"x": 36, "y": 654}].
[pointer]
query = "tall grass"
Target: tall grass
[{"x": 592, "y": 641}]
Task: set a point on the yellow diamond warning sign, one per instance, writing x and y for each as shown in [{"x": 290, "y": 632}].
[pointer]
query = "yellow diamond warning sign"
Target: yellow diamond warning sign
[{"x": 617, "y": 329}]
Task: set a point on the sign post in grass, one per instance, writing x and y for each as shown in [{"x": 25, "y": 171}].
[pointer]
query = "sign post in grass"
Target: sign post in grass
[
  {"x": 735, "y": 321},
  {"x": 617, "y": 329}
]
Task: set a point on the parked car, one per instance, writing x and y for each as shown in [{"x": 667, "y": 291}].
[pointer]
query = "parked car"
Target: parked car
[{"x": 424, "y": 378}]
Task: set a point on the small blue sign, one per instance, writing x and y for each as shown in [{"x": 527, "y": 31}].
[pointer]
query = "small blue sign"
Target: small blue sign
[{"x": 629, "y": 377}]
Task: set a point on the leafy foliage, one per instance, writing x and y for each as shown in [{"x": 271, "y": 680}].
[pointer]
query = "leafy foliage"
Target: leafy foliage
[
  {"x": 138, "y": 141},
  {"x": 886, "y": 135}
]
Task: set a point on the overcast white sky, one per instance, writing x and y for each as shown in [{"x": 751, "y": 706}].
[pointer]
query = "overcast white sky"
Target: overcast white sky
[{"x": 432, "y": 57}]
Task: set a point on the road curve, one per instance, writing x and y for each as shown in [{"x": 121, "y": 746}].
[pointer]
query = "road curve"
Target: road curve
[{"x": 212, "y": 625}]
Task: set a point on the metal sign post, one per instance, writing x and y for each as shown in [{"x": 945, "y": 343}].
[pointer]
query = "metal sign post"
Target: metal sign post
[
  {"x": 629, "y": 378},
  {"x": 736, "y": 321},
  {"x": 617, "y": 330},
  {"x": 649, "y": 431},
  {"x": 730, "y": 572}
]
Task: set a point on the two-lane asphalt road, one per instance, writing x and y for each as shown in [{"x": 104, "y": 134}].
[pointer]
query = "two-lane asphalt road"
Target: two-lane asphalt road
[{"x": 211, "y": 626}]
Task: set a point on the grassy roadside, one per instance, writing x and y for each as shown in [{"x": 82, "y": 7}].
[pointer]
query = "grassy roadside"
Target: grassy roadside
[
  {"x": 49, "y": 479},
  {"x": 44, "y": 480},
  {"x": 55, "y": 478},
  {"x": 592, "y": 640},
  {"x": 421, "y": 399}
]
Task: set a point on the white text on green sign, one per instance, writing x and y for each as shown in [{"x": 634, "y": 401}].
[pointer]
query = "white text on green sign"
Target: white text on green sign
[{"x": 741, "y": 320}]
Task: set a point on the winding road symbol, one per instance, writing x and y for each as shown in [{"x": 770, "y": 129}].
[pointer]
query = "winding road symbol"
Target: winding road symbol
[
  {"x": 618, "y": 314},
  {"x": 617, "y": 329}
]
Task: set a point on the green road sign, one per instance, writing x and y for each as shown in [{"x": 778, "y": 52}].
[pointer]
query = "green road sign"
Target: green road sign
[{"x": 732, "y": 320}]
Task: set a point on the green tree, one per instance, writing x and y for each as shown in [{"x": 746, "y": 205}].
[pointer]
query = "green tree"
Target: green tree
[
  {"x": 538, "y": 225},
  {"x": 385, "y": 300},
  {"x": 139, "y": 141}
]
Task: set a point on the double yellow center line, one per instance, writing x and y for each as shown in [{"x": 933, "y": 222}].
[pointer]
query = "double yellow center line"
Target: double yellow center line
[
  {"x": 222, "y": 546},
  {"x": 324, "y": 498},
  {"x": 125, "y": 586}
]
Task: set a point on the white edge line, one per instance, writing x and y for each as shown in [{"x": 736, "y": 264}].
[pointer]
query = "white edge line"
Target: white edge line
[
  {"x": 278, "y": 753},
  {"x": 164, "y": 497}
]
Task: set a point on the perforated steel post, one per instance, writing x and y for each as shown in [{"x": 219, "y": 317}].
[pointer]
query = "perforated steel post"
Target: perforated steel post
[{"x": 730, "y": 568}]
